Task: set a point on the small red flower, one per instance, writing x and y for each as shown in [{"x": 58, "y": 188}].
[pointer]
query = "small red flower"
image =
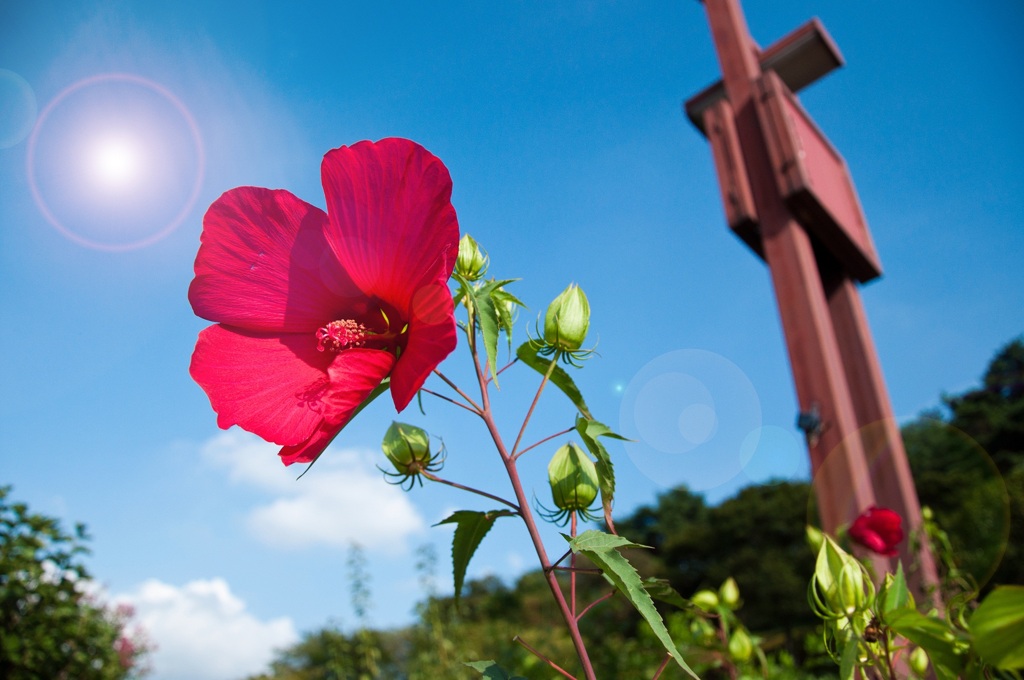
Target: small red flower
[
  {"x": 879, "y": 530},
  {"x": 315, "y": 309}
]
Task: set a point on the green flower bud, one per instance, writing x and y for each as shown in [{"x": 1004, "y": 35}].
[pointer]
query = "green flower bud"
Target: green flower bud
[
  {"x": 840, "y": 586},
  {"x": 706, "y": 600},
  {"x": 814, "y": 538},
  {"x": 701, "y": 629},
  {"x": 919, "y": 661},
  {"x": 729, "y": 593},
  {"x": 741, "y": 647},
  {"x": 851, "y": 588},
  {"x": 407, "y": 447},
  {"x": 573, "y": 479},
  {"x": 567, "y": 319},
  {"x": 472, "y": 261}
]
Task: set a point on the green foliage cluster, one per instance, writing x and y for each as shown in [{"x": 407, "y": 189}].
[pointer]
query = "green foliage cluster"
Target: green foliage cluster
[
  {"x": 49, "y": 627},
  {"x": 968, "y": 463},
  {"x": 866, "y": 629}
]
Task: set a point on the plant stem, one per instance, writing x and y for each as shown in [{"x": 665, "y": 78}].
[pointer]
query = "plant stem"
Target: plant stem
[
  {"x": 596, "y": 602},
  {"x": 662, "y": 667},
  {"x": 572, "y": 567},
  {"x": 546, "y": 439},
  {"x": 538, "y": 543},
  {"x": 543, "y": 658},
  {"x": 533, "y": 405},
  {"x": 578, "y": 570},
  {"x": 455, "y": 387},
  {"x": 434, "y": 478},
  {"x": 559, "y": 560},
  {"x": 449, "y": 400},
  {"x": 506, "y": 366},
  {"x": 523, "y": 502}
]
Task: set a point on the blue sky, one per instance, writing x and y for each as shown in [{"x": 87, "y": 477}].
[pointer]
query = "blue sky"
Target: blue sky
[{"x": 561, "y": 126}]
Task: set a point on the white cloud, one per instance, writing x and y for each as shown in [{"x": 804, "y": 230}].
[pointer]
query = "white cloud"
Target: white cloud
[
  {"x": 203, "y": 632},
  {"x": 342, "y": 500},
  {"x": 515, "y": 562}
]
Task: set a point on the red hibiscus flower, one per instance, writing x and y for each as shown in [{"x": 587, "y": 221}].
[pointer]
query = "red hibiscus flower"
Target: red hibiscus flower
[
  {"x": 315, "y": 309},
  {"x": 879, "y": 530}
]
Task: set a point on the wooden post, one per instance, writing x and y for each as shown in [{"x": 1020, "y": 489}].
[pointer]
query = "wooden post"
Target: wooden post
[{"x": 788, "y": 195}]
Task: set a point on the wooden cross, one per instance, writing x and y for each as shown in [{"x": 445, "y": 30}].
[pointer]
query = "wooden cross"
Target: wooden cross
[{"x": 788, "y": 195}]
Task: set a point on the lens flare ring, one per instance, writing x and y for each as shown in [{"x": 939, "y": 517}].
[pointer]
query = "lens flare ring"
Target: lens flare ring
[
  {"x": 115, "y": 161},
  {"x": 693, "y": 417},
  {"x": 18, "y": 103}
]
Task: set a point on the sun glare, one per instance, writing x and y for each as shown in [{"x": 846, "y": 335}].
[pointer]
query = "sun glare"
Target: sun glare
[{"x": 115, "y": 162}]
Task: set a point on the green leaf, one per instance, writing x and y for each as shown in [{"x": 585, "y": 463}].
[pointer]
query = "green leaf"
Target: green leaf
[
  {"x": 998, "y": 627},
  {"x": 464, "y": 286},
  {"x": 894, "y": 593},
  {"x": 491, "y": 670},
  {"x": 933, "y": 635},
  {"x": 589, "y": 431},
  {"x": 487, "y": 319},
  {"x": 502, "y": 298},
  {"x": 470, "y": 528},
  {"x": 848, "y": 660},
  {"x": 661, "y": 590},
  {"x": 602, "y": 549},
  {"x": 598, "y": 540},
  {"x": 527, "y": 353}
]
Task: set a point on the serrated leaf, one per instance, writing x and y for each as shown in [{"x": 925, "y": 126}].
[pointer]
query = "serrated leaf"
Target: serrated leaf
[
  {"x": 593, "y": 539},
  {"x": 464, "y": 286},
  {"x": 997, "y": 626},
  {"x": 602, "y": 549},
  {"x": 590, "y": 430},
  {"x": 529, "y": 356},
  {"x": 931, "y": 634},
  {"x": 502, "y": 298},
  {"x": 487, "y": 320},
  {"x": 470, "y": 528},
  {"x": 661, "y": 590},
  {"x": 491, "y": 670}
]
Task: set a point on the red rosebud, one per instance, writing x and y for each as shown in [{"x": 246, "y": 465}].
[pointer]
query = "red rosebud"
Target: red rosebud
[{"x": 879, "y": 530}]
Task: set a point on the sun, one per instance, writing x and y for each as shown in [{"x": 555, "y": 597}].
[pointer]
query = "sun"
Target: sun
[{"x": 115, "y": 162}]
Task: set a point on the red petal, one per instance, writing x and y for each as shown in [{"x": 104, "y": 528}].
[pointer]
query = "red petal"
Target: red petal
[
  {"x": 393, "y": 227},
  {"x": 874, "y": 542},
  {"x": 878, "y": 529},
  {"x": 432, "y": 337},
  {"x": 353, "y": 374},
  {"x": 887, "y": 523},
  {"x": 270, "y": 385},
  {"x": 264, "y": 265}
]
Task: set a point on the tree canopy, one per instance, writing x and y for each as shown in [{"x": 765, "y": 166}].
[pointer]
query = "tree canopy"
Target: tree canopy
[
  {"x": 50, "y": 627},
  {"x": 968, "y": 463}
]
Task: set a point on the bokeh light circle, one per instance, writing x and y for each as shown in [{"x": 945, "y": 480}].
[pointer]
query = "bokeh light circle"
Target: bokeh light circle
[
  {"x": 17, "y": 108},
  {"x": 689, "y": 414},
  {"x": 115, "y": 162}
]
